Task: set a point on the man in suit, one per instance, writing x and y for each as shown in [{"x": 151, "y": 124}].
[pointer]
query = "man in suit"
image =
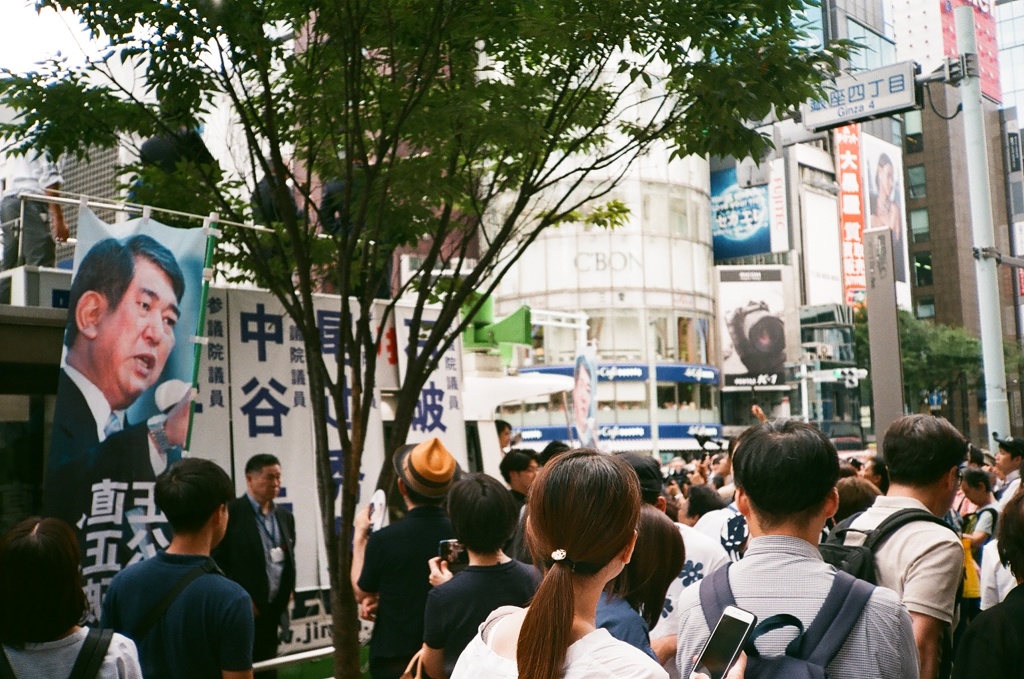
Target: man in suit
[
  {"x": 258, "y": 552},
  {"x": 120, "y": 332}
]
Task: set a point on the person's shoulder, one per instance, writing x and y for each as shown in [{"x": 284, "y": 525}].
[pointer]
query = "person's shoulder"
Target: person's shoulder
[
  {"x": 601, "y": 655},
  {"x": 883, "y": 604}
]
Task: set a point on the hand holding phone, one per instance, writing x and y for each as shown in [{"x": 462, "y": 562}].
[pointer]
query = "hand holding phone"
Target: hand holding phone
[
  {"x": 454, "y": 554},
  {"x": 726, "y": 642}
]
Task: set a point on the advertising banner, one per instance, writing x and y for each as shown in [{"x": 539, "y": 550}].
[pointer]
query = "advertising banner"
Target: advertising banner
[
  {"x": 851, "y": 212},
  {"x": 124, "y": 390},
  {"x": 822, "y": 264},
  {"x": 751, "y": 303},
  {"x": 985, "y": 33},
  {"x": 886, "y": 205}
]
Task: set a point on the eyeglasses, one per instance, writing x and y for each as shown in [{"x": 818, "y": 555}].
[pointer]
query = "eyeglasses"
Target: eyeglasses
[{"x": 960, "y": 470}]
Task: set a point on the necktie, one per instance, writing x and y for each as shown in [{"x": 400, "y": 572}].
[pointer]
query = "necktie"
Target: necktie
[{"x": 113, "y": 425}]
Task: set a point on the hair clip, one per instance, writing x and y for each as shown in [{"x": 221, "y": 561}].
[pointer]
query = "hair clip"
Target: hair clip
[{"x": 558, "y": 555}]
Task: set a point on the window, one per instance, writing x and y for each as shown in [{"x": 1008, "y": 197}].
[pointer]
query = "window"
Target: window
[
  {"x": 919, "y": 229},
  {"x": 915, "y": 181},
  {"x": 925, "y": 307},
  {"x": 913, "y": 135},
  {"x": 877, "y": 50},
  {"x": 922, "y": 268}
]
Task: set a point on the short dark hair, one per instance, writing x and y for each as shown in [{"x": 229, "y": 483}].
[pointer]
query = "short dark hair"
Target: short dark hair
[
  {"x": 108, "y": 268},
  {"x": 259, "y": 461},
  {"x": 420, "y": 499},
  {"x": 786, "y": 468},
  {"x": 880, "y": 468},
  {"x": 190, "y": 491},
  {"x": 1011, "y": 534},
  {"x": 921, "y": 448},
  {"x": 978, "y": 477},
  {"x": 550, "y": 450},
  {"x": 703, "y": 499},
  {"x": 40, "y": 582},
  {"x": 483, "y": 513},
  {"x": 501, "y": 426},
  {"x": 975, "y": 455},
  {"x": 516, "y": 460}
]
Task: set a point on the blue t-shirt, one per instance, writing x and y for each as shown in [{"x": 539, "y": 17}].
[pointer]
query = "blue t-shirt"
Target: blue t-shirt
[
  {"x": 208, "y": 628},
  {"x": 622, "y": 622}
]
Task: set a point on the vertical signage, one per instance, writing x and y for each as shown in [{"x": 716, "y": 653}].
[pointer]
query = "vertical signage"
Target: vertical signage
[{"x": 851, "y": 212}]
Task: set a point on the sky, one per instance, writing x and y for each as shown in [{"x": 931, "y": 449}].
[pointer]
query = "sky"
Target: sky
[{"x": 27, "y": 37}]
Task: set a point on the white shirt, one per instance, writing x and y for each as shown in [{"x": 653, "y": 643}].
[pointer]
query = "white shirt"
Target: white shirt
[
  {"x": 996, "y": 579},
  {"x": 703, "y": 555},
  {"x": 97, "y": 402},
  {"x": 1012, "y": 484},
  {"x": 55, "y": 658},
  {"x": 598, "y": 655},
  {"x": 31, "y": 173}
]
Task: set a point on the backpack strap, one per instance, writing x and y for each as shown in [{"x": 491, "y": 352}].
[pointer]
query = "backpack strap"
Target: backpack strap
[
  {"x": 770, "y": 624},
  {"x": 6, "y": 671},
  {"x": 715, "y": 595},
  {"x": 897, "y": 520},
  {"x": 157, "y": 612},
  {"x": 92, "y": 653},
  {"x": 835, "y": 619}
]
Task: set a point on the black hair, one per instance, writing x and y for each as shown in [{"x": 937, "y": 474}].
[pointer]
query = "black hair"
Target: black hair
[
  {"x": 190, "y": 491},
  {"x": 108, "y": 268},
  {"x": 516, "y": 460},
  {"x": 550, "y": 450},
  {"x": 420, "y": 499},
  {"x": 259, "y": 461},
  {"x": 880, "y": 468},
  {"x": 703, "y": 499},
  {"x": 920, "y": 449},
  {"x": 975, "y": 455},
  {"x": 482, "y": 512},
  {"x": 786, "y": 468},
  {"x": 40, "y": 582},
  {"x": 502, "y": 426},
  {"x": 978, "y": 477}
]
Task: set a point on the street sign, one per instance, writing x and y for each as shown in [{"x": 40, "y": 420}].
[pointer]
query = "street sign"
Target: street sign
[{"x": 863, "y": 96}]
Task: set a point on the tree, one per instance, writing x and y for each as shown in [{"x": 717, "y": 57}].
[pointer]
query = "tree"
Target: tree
[
  {"x": 470, "y": 126},
  {"x": 935, "y": 357}
]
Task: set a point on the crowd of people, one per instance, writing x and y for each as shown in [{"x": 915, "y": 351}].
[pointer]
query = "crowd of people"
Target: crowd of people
[{"x": 586, "y": 565}]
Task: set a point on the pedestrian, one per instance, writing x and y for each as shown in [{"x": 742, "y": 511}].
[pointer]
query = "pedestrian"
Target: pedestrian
[
  {"x": 187, "y": 619},
  {"x": 483, "y": 516},
  {"x": 390, "y": 570},
  {"x": 258, "y": 552},
  {"x": 583, "y": 512},
  {"x": 43, "y": 607}
]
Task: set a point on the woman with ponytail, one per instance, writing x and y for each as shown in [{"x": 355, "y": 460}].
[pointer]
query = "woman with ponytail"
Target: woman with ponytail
[{"x": 583, "y": 511}]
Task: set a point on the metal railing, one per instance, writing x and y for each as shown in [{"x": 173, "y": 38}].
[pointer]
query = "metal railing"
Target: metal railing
[{"x": 293, "y": 659}]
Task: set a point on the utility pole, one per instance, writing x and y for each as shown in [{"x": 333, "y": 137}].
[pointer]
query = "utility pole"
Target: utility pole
[{"x": 997, "y": 408}]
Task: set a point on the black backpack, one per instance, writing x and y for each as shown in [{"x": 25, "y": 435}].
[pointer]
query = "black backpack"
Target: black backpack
[
  {"x": 812, "y": 650},
  {"x": 859, "y": 560}
]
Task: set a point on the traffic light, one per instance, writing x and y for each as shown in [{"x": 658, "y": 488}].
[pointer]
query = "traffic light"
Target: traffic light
[{"x": 850, "y": 376}]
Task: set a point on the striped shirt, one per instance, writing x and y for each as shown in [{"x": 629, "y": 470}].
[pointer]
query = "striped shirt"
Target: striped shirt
[{"x": 780, "y": 574}]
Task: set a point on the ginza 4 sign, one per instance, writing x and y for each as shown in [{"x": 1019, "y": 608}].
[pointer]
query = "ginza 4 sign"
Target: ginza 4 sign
[{"x": 863, "y": 96}]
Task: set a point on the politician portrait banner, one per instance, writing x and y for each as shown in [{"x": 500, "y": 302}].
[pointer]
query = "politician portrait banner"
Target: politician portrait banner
[{"x": 124, "y": 392}]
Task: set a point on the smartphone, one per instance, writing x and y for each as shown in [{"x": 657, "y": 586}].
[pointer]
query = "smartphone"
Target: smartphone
[
  {"x": 726, "y": 642},
  {"x": 454, "y": 553}
]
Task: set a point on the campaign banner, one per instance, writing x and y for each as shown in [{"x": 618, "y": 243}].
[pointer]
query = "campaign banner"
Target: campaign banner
[
  {"x": 439, "y": 411},
  {"x": 124, "y": 391},
  {"x": 270, "y": 411},
  {"x": 751, "y": 304},
  {"x": 584, "y": 397}
]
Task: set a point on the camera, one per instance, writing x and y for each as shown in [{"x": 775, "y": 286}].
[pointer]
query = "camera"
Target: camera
[{"x": 759, "y": 338}]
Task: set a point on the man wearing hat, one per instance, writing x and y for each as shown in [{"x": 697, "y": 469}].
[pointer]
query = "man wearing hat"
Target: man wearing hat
[
  {"x": 389, "y": 567},
  {"x": 1008, "y": 458}
]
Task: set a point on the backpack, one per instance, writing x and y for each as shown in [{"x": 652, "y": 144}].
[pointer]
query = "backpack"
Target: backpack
[
  {"x": 859, "y": 560},
  {"x": 812, "y": 650},
  {"x": 971, "y": 524}
]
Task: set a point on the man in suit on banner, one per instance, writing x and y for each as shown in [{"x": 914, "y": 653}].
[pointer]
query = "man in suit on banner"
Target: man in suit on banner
[
  {"x": 120, "y": 332},
  {"x": 258, "y": 552}
]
